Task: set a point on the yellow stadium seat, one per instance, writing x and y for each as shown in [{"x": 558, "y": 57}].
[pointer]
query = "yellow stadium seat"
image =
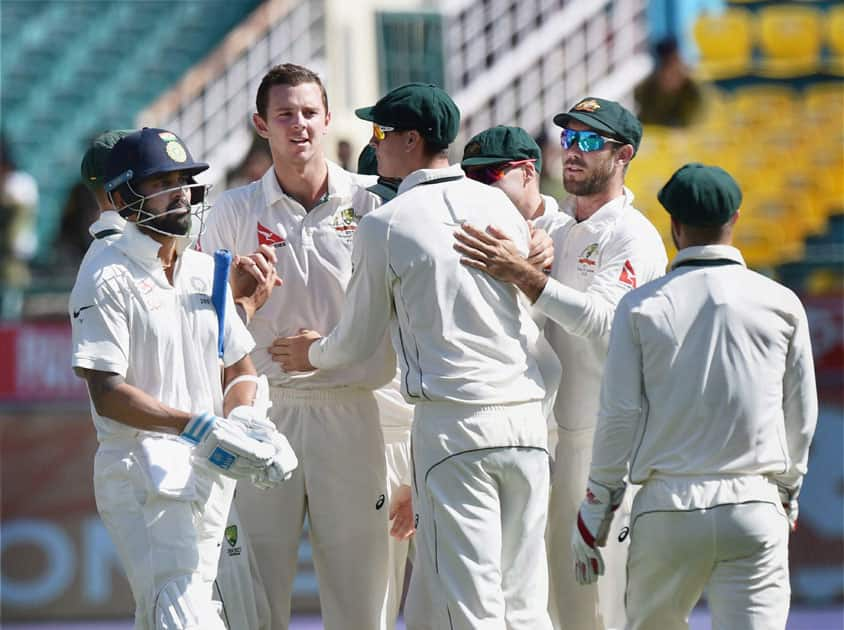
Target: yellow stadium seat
[
  {"x": 761, "y": 104},
  {"x": 764, "y": 243},
  {"x": 835, "y": 40},
  {"x": 789, "y": 38},
  {"x": 823, "y": 104},
  {"x": 725, "y": 42}
]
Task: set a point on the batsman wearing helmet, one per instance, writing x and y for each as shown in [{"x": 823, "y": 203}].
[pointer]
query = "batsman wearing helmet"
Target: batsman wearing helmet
[{"x": 145, "y": 339}]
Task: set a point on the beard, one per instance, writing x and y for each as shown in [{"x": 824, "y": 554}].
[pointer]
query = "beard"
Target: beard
[
  {"x": 596, "y": 180},
  {"x": 175, "y": 224}
]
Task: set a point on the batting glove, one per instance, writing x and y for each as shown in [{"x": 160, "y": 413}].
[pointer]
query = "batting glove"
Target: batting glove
[
  {"x": 227, "y": 447},
  {"x": 788, "y": 498},
  {"x": 284, "y": 460},
  {"x": 591, "y": 529}
]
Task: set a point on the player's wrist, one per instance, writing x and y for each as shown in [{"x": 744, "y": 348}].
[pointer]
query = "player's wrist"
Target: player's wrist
[
  {"x": 531, "y": 281},
  {"x": 245, "y": 309}
]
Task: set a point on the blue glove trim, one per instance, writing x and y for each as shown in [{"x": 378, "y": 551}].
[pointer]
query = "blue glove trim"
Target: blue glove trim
[{"x": 199, "y": 427}]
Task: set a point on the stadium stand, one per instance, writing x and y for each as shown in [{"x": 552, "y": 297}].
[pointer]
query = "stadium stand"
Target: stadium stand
[
  {"x": 71, "y": 69},
  {"x": 726, "y": 42},
  {"x": 789, "y": 38}
]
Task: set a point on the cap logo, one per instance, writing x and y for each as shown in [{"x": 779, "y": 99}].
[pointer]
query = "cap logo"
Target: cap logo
[
  {"x": 167, "y": 136},
  {"x": 176, "y": 152},
  {"x": 589, "y": 105},
  {"x": 473, "y": 148}
]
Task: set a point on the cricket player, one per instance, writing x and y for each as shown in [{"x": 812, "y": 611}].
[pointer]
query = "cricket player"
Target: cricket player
[
  {"x": 478, "y": 439},
  {"x": 145, "y": 340},
  {"x": 242, "y": 604},
  {"x": 709, "y": 402},
  {"x": 603, "y": 248},
  {"x": 303, "y": 209}
]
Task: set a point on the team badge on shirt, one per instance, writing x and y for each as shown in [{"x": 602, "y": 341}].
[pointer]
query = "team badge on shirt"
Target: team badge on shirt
[
  {"x": 588, "y": 259},
  {"x": 628, "y": 275},
  {"x": 267, "y": 237},
  {"x": 345, "y": 223},
  {"x": 231, "y": 538}
]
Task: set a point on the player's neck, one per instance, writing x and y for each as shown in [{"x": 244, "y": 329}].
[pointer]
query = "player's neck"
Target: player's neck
[
  {"x": 587, "y": 205},
  {"x": 307, "y": 183}
]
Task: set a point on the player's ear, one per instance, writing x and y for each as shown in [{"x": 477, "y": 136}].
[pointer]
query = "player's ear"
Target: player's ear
[
  {"x": 529, "y": 171},
  {"x": 625, "y": 153},
  {"x": 327, "y": 121},
  {"x": 260, "y": 125}
]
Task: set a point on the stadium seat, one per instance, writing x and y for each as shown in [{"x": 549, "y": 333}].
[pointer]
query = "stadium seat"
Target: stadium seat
[
  {"x": 764, "y": 243},
  {"x": 789, "y": 38},
  {"x": 725, "y": 42},
  {"x": 835, "y": 40},
  {"x": 761, "y": 104}
]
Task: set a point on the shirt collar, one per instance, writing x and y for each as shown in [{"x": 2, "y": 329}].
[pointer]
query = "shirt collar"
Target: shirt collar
[
  {"x": 429, "y": 176},
  {"x": 605, "y": 215},
  {"x": 109, "y": 220},
  {"x": 339, "y": 184},
  {"x": 143, "y": 249},
  {"x": 708, "y": 252}
]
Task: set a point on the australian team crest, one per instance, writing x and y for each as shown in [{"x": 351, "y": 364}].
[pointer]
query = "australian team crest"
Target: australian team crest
[
  {"x": 345, "y": 223},
  {"x": 231, "y": 538},
  {"x": 588, "y": 259}
]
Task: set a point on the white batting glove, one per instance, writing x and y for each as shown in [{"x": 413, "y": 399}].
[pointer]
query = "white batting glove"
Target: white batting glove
[
  {"x": 227, "y": 447},
  {"x": 590, "y": 531},
  {"x": 284, "y": 460},
  {"x": 788, "y": 498}
]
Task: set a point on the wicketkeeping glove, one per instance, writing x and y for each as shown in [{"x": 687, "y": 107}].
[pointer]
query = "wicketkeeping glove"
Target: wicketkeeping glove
[
  {"x": 227, "y": 447},
  {"x": 590, "y": 531},
  {"x": 788, "y": 498},
  {"x": 284, "y": 460}
]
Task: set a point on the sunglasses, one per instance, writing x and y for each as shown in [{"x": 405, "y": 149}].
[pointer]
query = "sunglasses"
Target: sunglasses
[
  {"x": 586, "y": 140},
  {"x": 380, "y": 131},
  {"x": 492, "y": 173}
]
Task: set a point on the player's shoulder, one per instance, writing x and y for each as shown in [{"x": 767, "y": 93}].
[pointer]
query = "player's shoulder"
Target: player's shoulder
[
  {"x": 103, "y": 271},
  {"x": 345, "y": 182},
  {"x": 239, "y": 200}
]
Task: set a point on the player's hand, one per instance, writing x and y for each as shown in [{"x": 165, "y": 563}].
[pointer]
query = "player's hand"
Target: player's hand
[
  {"x": 541, "y": 254},
  {"x": 401, "y": 513},
  {"x": 292, "y": 352},
  {"x": 591, "y": 529},
  {"x": 788, "y": 498},
  {"x": 253, "y": 279},
  {"x": 226, "y": 446},
  {"x": 494, "y": 253},
  {"x": 261, "y": 428}
]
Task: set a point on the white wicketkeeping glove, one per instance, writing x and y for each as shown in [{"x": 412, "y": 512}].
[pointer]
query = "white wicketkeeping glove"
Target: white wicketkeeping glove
[
  {"x": 788, "y": 498},
  {"x": 227, "y": 446},
  {"x": 590, "y": 530},
  {"x": 284, "y": 460}
]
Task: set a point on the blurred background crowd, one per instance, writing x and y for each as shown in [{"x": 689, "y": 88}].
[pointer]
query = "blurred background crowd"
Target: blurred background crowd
[{"x": 756, "y": 87}]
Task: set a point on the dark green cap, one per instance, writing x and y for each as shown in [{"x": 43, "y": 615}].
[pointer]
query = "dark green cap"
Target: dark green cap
[
  {"x": 418, "y": 106},
  {"x": 94, "y": 161},
  {"x": 367, "y": 162},
  {"x": 606, "y": 117},
  {"x": 700, "y": 195},
  {"x": 501, "y": 144}
]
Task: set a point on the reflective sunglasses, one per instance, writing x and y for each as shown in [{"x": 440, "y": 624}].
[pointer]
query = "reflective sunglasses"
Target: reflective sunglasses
[
  {"x": 586, "y": 140},
  {"x": 380, "y": 131},
  {"x": 493, "y": 172}
]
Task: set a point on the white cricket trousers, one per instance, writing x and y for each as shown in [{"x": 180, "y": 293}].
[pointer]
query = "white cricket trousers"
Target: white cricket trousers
[
  {"x": 238, "y": 586},
  {"x": 481, "y": 515},
  {"x": 160, "y": 539},
  {"x": 341, "y": 485},
  {"x": 737, "y": 552},
  {"x": 573, "y": 606}
]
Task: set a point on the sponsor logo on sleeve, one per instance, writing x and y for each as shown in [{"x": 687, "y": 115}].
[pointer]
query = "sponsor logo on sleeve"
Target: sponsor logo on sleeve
[
  {"x": 628, "y": 275},
  {"x": 267, "y": 237}
]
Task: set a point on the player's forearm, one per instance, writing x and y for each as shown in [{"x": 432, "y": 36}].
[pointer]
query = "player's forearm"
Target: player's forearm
[
  {"x": 576, "y": 312},
  {"x": 530, "y": 281},
  {"x": 115, "y": 399},
  {"x": 242, "y": 393}
]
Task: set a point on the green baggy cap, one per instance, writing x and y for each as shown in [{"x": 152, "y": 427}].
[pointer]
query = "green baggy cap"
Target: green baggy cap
[
  {"x": 422, "y": 107},
  {"x": 501, "y": 144},
  {"x": 700, "y": 195},
  {"x": 606, "y": 117},
  {"x": 94, "y": 161}
]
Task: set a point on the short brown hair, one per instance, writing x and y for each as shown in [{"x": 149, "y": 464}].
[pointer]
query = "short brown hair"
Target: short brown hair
[{"x": 286, "y": 74}]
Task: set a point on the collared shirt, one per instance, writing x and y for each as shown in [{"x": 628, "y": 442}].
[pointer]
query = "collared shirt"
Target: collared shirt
[
  {"x": 710, "y": 377},
  {"x": 596, "y": 262},
  {"x": 126, "y": 318},
  {"x": 314, "y": 261},
  {"x": 105, "y": 231},
  {"x": 460, "y": 336}
]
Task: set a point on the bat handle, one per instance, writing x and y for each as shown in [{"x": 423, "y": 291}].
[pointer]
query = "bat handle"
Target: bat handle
[{"x": 222, "y": 264}]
